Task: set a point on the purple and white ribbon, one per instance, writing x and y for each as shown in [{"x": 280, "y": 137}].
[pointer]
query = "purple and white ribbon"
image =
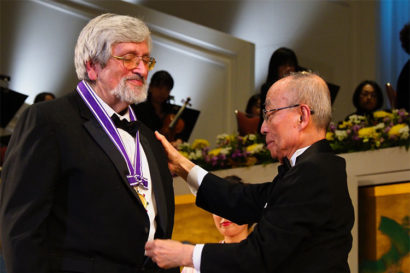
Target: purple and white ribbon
[{"x": 135, "y": 177}]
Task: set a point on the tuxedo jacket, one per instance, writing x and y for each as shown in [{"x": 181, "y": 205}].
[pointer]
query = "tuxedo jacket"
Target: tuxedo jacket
[
  {"x": 304, "y": 218},
  {"x": 65, "y": 203}
]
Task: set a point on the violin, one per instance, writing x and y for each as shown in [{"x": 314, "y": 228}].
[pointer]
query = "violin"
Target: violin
[{"x": 173, "y": 124}]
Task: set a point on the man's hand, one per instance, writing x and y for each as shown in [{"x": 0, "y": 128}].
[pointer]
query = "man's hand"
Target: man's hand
[
  {"x": 168, "y": 253},
  {"x": 177, "y": 163}
]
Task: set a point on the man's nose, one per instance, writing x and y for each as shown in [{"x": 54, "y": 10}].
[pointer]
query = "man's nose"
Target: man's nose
[
  {"x": 142, "y": 69},
  {"x": 264, "y": 128}
]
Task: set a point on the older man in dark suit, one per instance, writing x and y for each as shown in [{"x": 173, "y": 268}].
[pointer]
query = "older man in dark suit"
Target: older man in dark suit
[
  {"x": 304, "y": 217},
  {"x": 82, "y": 192}
]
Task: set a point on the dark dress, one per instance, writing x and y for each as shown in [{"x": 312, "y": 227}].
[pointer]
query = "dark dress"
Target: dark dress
[
  {"x": 403, "y": 88},
  {"x": 145, "y": 113}
]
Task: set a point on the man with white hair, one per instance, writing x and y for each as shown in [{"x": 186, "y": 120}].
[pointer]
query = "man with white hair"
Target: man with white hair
[
  {"x": 304, "y": 216},
  {"x": 84, "y": 184}
]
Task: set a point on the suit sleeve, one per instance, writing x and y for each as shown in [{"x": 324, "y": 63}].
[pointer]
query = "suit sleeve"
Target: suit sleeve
[
  {"x": 287, "y": 213},
  {"x": 242, "y": 204},
  {"x": 29, "y": 177}
]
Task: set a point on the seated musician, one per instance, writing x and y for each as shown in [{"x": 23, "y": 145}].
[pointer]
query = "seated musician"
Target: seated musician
[{"x": 155, "y": 111}]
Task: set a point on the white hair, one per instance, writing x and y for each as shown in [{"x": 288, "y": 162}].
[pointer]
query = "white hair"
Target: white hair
[
  {"x": 95, "y": 40},
  {"x": 310, "y": 89}
]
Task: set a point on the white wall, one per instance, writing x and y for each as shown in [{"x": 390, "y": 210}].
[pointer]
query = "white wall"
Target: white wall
[
  {"x": 337, "y": 39},
  {"x": 37, "y": 47},
  {"x": 213, "y": 68}
]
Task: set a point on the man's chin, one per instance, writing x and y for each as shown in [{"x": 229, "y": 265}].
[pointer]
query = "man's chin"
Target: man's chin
[{"x": 132, "y": 95}]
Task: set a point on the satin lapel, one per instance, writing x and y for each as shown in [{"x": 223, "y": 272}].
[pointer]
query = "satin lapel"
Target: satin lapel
[
  {"x": 103, "y": 140},
  {"x": 156, "y": 183}
]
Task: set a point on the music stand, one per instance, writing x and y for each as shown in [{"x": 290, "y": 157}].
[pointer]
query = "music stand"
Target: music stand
[
  {"x": 189, "y": 116},
  {"x": 334, "y": 89},
  {"x": 10, "y": 103}
]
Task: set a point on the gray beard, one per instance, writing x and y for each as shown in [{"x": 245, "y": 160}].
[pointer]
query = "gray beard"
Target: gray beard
[{"x": 129, "y": 94}]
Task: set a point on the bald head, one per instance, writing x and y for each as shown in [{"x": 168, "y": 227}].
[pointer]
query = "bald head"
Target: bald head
[
  {"x": 307, "y": 88},
  {"x": 297, "y": 113}
]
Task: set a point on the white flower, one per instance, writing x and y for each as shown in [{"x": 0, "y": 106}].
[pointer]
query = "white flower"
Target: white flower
[
  {"x": 381, "y": 125},
  {"x": 404, "y": 132},
  {"x": 356, "y": 119},
  {"x": 340, "y": 134},
  {"x": 195, "y": 155},
  {"x": 252, "y": 137},
  {"x": 225, "y": 150},
  {"x": 184, "y": 146}
]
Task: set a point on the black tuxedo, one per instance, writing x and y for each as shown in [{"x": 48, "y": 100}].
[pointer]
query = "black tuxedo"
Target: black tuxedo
[
  {"x": 304, "y": 218},
  {"x": 65, "y": 203}
]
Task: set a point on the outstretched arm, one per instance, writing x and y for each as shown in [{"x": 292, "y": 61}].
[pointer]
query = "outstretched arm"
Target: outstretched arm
[{"x": 177, "y": 163}]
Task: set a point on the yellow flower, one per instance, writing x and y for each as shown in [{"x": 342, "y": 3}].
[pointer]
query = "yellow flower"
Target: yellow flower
[
  {"x": 215, "y": 152},
  {"x": 367, "y": 132},
  {"x": 382, "y": 114},
  {"x": 330, "y": 136},
  {"x": 345, "y": 124},
  {"x": 254, "y": 148},
  {"x": 395, "y": 130},
  {"x": 200, "y": 144}
]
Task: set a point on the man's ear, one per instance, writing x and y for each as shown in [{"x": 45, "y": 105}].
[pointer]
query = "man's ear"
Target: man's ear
[
  {"x": 305, "y": 115},
  {"x": 91, "y": 70}
]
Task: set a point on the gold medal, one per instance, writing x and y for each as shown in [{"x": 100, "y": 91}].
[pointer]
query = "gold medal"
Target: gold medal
[{"x": 142, "y": 198}]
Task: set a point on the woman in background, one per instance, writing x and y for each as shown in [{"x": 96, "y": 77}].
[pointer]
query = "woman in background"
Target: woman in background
[
  {"x": 253, "y": 107},
  {"x": 44, "y": 96},
  {"x": 367, "y": 98},
  {"x": 233, "y": 233},
  {"x": 282, "y": 62},
  {"x": 153, "y": 111}
]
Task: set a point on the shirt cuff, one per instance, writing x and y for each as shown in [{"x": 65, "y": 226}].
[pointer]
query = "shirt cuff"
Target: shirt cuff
[
  {"x": 195, "y": 177},
  {"x": 196, "y": 256}
]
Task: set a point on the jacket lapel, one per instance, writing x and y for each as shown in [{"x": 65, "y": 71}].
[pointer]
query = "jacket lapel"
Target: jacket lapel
[
  {"x": 104, "y": 141},
  {"x": 157, "y": 188}
]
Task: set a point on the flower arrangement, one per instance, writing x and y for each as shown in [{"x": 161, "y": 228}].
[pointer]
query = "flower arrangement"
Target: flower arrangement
[
  {"x": 230, "y": 151},
  {"x": 358, "y": 133},
  {"x": 380, "y": 130}
]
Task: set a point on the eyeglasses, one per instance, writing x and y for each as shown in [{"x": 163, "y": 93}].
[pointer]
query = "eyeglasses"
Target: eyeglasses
[
  {"x": 266, "y": 116},
  {"x": 131, "y": 61}
]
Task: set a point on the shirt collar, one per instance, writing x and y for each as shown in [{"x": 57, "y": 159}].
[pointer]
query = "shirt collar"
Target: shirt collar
[{"x": 296, "y": 154}]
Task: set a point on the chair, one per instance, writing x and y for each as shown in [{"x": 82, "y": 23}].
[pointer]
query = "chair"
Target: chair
[{"x": 246, "y": 124}]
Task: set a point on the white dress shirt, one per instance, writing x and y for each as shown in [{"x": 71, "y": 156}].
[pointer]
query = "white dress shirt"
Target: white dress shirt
[
  {"x": 129, "y": 145},
  {"x": 194, "y": 180}
]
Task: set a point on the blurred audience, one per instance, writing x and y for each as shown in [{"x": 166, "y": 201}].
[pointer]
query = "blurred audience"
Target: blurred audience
[
  {"x": 44, "y": 96},
  {"x": 253, "y": 107}
]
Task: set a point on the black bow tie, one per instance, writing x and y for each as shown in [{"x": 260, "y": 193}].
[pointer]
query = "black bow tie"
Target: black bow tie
[
  {"x": 284, "y": 167},
  {"x": 130, "y": 126}
]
